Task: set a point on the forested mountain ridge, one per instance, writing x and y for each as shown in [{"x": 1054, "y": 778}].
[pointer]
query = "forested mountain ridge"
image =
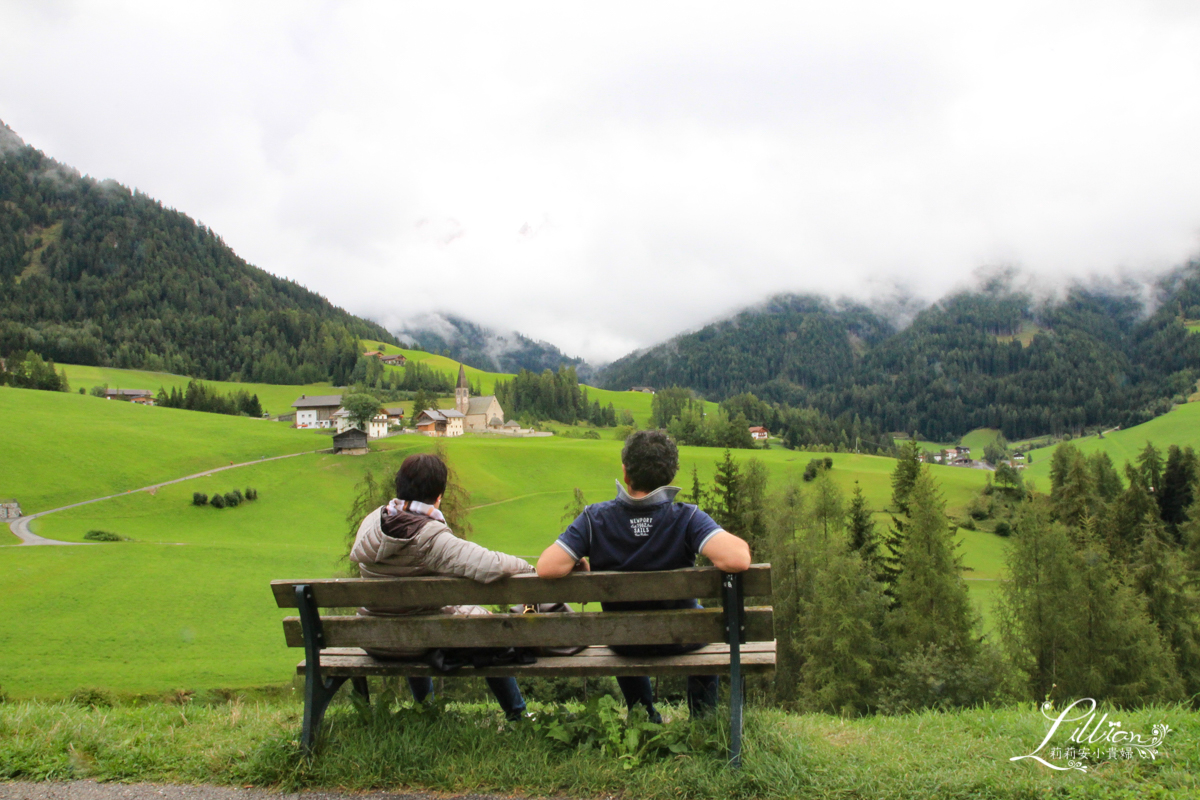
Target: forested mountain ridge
[
  {"x": 1092, "y": 358},
  {"x": 93, "y": 273},
  {"x": 485, "y": 348}
]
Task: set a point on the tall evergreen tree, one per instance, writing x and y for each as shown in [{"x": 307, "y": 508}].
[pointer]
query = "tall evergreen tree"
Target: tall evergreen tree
[
  {"x": 1172, "y": 596},
  {"x": 1178, "y": 481},
  {"x": 844, "y": 645},
  {"x": 905, "y": 474},
  {"x": 862, "y": 538},
  {"x": 1033, "y": 618},
  {"x": 933, "y": 606}
]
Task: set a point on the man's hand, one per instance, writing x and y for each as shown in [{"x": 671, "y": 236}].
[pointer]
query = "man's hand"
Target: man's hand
[{"x": 727, "y": 552}]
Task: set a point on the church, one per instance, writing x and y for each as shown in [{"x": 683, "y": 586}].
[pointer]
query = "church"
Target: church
[{"x": 481, "y": 413}]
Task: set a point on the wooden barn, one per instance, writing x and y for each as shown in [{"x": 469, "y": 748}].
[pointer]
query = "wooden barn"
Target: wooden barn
[{"x": 350, "y": 442}]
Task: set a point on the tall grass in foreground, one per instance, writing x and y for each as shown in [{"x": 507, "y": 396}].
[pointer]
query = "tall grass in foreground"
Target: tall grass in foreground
[{"x": 468, "y": 748}]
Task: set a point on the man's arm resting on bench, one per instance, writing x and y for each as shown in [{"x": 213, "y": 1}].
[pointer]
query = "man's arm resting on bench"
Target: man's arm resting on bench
[{"x": 727, "y": 552}]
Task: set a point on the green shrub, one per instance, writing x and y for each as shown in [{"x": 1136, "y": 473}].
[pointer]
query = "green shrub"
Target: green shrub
[
  {"x": 91, "y": 698},
  {"x": 199, "y": 499},
  {"x": 251, "y": 493},
  {"x": 1003, "y": 528},
  {"x": 218, "y": 501},
  {"x": 104, "y": 536},
  {"x": 233, "y": 499}
]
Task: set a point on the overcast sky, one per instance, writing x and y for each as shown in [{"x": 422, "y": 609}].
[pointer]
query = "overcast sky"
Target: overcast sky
[{"x": 605, "y": 175}]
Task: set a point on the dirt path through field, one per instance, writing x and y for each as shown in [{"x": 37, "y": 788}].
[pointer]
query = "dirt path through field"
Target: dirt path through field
[
  {"x": 90, "y": 790},
  {"x": 20, "y": 526}
]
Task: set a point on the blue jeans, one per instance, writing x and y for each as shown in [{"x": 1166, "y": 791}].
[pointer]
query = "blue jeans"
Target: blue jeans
[
  {"x": 701, "y": 689},
  {"x": 505, "y": 689}
]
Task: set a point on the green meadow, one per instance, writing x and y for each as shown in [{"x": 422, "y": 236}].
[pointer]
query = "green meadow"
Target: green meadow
[
  {"x": 1180, "y": 426},
  {"x": 63, "y": 448},
  {"x": 275, "y": 399}
]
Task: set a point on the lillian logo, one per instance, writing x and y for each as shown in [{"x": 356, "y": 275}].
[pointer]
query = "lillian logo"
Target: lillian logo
[{"x": 1093, "y": 740}]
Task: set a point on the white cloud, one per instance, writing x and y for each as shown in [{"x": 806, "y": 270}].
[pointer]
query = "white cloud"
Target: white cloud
[{"x": 604, "y": 176}]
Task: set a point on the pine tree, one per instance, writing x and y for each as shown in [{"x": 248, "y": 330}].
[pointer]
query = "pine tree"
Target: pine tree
[
  {"x": 1172, "y": 600},
  {"x": 825, "y": 506},
  {"x": 1175, "y": 494},
  {"x": 1073, "y": 499},
  {"x": 792, "y": 577},
  {"x": 862, "y": 536},
  {"x": 843, "y": 643},
  {"x": 1035, "y": 629},
  {"x": 420, "y": 403},
  {"x": 727, "y": 496},
  {"x": 933, "y": 606},
  {"x": 1150, "y": 464},
  {"x": 904, "y": 476},
  {"x": 1120, "y": 654}
]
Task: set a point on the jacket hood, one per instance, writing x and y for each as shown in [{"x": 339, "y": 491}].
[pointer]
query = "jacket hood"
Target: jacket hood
[
  {"x": 663, "y": 494},
  {"x": 402, "y": 524}
]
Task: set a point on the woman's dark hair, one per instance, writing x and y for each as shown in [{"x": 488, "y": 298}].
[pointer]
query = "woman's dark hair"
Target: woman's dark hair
[
  {"x": 651, "y": 460},
  {"x": 422, "y": 477}
]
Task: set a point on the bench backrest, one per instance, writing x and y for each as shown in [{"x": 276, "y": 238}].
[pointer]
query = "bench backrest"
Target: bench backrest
[{"x": 529, "y": 630}]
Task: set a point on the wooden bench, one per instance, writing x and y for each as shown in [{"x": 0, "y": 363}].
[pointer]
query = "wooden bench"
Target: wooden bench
[{"x": 743, "y": 637}]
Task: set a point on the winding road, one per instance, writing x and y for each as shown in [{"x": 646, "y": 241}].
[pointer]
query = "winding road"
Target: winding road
[{"x": 20, "y": 525}]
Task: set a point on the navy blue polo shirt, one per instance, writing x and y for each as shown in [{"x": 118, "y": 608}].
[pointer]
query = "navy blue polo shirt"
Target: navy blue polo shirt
[{"x": 639, "y": 535}]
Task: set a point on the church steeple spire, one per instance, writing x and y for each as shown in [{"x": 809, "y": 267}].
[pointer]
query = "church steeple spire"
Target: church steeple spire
[{"x": 462, "y": 392}]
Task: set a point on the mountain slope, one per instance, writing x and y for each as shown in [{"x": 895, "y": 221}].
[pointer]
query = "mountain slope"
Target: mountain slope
[
  {"x": 486, "y": 348},
  {"x": 989, "y": 358},
  {"x": 93, "y": 273}
]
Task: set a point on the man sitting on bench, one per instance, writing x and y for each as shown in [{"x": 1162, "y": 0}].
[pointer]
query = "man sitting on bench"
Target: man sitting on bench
[{"x": 642, "y": 530}]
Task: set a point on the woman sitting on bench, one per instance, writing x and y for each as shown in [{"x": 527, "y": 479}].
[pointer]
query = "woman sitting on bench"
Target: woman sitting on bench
[{"x": 409, "y": 537}]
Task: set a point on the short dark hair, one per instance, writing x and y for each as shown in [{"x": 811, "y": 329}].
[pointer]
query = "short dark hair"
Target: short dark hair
[
  {"x": 422, "y": 477},
  {"x": 650, "y": 459}
]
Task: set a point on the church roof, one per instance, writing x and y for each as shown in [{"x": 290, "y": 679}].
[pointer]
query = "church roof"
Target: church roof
[
  {"x": 480, "y": 405},
  {"x": 494, "y": 422},
  {"x": 462, "y": 378}
]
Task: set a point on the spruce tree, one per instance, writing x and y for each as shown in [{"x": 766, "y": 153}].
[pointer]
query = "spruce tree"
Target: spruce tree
[
  {"x": 1073, "y": 498},
  {"x": 1175, "y": 494},
  {"x": 933, "y": 605},
  {"x": 1036, "y": 629},
  {"x": 1150, "y": 465},
  {"x": 861, "y": 529},
  {"x": 1122, "y": 523},
  {"x": 793, "y": 571},
  {"x": 1121, "y": 656},
  {"x": 1172, "y": 601},
  {"x": 904, "y": 476},
  {"x": 844, "y": 649},
  {"x": 825, "y": 507},
  {"x": 727, "y": 496}
]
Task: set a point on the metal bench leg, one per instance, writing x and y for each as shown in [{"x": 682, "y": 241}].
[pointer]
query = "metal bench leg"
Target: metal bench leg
[
  {"x": 735, "y": 631},
  {"x": 362, "y": 689},
  {"x": 318, "y": 691}
]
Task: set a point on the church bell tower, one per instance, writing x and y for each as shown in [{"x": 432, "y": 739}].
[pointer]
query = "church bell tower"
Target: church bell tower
[{"x": 462, "y": 392}]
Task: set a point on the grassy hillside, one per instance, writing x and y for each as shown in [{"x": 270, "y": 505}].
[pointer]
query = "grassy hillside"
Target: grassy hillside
[
  {"x": 275, "y": 398},
  {"x": 63, "y": 448},
  {"x": 1180, "y": 426},
  {"x": 162, "y": 612},
  {"x": 638, "y": 403}
]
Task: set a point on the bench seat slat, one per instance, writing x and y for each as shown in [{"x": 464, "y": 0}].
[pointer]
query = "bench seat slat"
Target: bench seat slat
[
  {"x": 533, "y": 630},
  {"x": 758, "y": 657},
  {"x": 583, "y": 587}
]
